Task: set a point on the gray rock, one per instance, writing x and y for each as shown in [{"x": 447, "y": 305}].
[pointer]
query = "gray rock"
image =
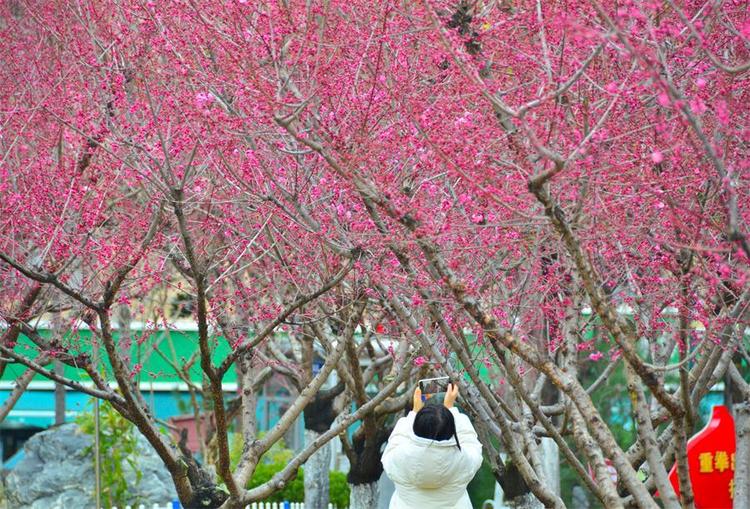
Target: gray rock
[{"x": 57, "y": 471}]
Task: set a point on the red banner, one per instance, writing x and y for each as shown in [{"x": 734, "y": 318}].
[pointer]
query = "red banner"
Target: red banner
[{"x": 711, "y": 462}]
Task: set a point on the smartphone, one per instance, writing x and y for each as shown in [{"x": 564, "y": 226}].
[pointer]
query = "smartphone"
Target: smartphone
[{"x": 434, "y": 385}]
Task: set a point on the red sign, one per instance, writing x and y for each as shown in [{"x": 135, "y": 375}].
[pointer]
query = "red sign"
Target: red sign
[{"x": 711, "y": 462}]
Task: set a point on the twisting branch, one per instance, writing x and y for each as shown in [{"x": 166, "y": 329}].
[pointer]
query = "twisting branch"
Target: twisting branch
[
  {"x": 458, "y": 289},
  {"x": 38, "y": 367},
  {"x": 22, "y": 382},
  {"x": 699, "y": 39},
  {"x": 11, "y": 334},
  {"x": 621, "y": 331},
  {"x": 45, "y": 277},
  {"x": 214, "y": 377},
  {"x": 282, "y": 478},
  {"x": 291, "y": 308}
]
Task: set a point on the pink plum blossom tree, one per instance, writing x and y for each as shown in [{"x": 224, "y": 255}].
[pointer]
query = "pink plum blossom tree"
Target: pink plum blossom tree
[{"x": 499, "y": 174}]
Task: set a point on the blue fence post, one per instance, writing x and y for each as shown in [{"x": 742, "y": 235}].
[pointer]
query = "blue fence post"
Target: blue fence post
[
  {"x": 176, "y": 504},
  {"x": 286, "y": 505}
]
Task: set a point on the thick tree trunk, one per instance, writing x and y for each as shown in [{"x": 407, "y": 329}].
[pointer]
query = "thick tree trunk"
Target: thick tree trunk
[
  {"x": 366, "y": 467},
  {"x": 527, "y": 501},
  {"x": 551, "y": 464},
  {"x": 316, "y": 474},
  {"x": 364, "y": 496},
  {"x": 742, "y": 456},
  {"x": 516, "y": 492},
  {"x": 319, "y": 415}
]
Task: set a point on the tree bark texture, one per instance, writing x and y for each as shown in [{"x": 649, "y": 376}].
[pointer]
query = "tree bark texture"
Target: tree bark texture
[
  {"x": 364, "y": 496},
  {"x": 366, "y": 468},
  {"x": 742, "y": 456},
  {"x": 316, "y": 474},
  {"x": 527, "y": 501},
  {"x": 551, "y": 464}
]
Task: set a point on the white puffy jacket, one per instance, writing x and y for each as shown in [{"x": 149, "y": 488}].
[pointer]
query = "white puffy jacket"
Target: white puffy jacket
[{"x": 431, "y": 474}]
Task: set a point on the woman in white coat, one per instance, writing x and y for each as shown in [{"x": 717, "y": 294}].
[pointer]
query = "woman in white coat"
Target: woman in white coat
[{"x": 432, "y": 455}]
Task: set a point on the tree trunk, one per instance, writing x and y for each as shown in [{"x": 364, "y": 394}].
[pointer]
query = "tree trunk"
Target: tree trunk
[
  {"x": 364, "y": 496},
  {"x": 316, "y": 474},
  {"x": 527, "y": 501},
  {"x": 742, "y": 456},
  {"x": 319, "y": 415},
  {"x": 512, "y": 483},
  {"x": 365, "y": 466},
  {"x": 551, "y": 464}
]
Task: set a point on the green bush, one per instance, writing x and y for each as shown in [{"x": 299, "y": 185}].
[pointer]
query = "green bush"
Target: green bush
[
  {"x": 274, "y": 461},
  {"x": 119, "y": 445},
  {"x": 339, "y": 492},
  {"x": 293, "y": 492}
]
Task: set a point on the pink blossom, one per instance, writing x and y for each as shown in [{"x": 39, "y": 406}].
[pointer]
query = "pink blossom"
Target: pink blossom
[
  {"x": 722, "y": 112},
  {"x": 698, "y": 106},
  {"x": 202, "y": 99},
  {"x": 296, "y": 147}
]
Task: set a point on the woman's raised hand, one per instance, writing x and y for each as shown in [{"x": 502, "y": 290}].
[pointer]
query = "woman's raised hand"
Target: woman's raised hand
[
  {"x": 451, "y": 394},
  {"x": 418, "y": 403}
]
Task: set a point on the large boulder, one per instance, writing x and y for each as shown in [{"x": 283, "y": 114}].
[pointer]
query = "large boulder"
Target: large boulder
[{"x": 57, "y": 471}]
